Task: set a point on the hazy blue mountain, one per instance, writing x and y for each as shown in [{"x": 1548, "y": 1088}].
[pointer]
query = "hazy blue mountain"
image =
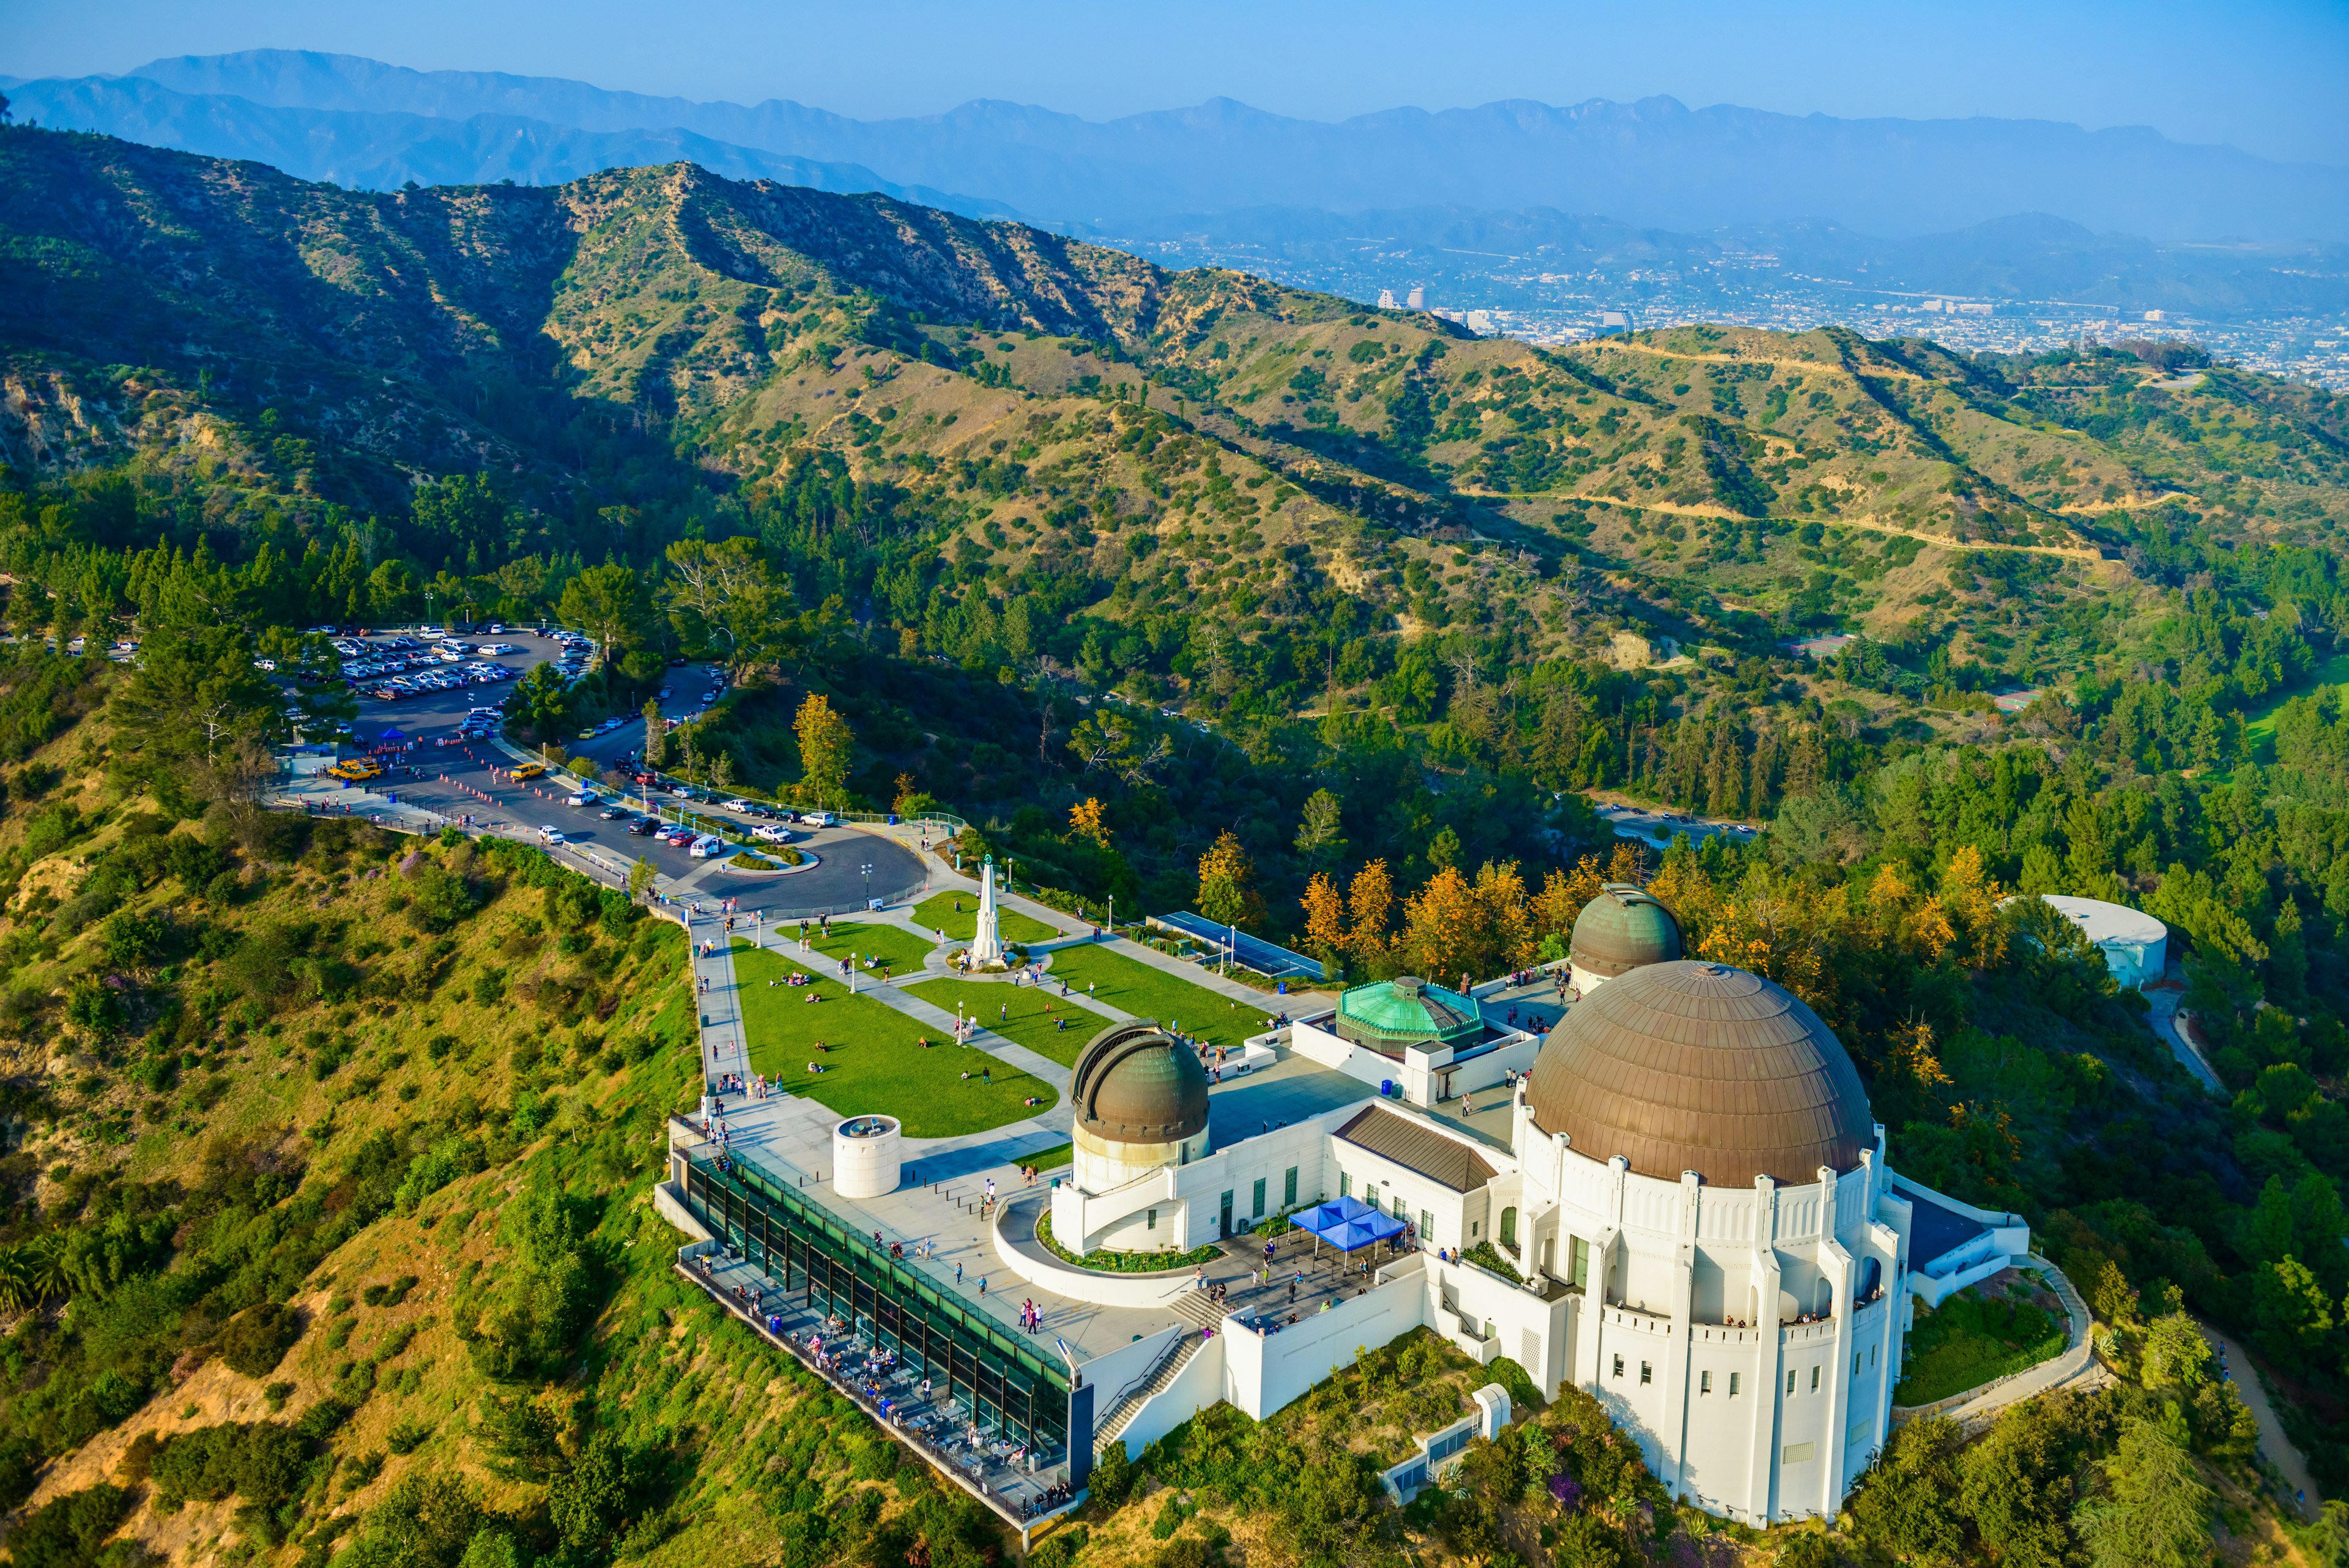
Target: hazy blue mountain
[
  {"x": 1655, "y": 162},
  {"x": 380, "y": 150}
]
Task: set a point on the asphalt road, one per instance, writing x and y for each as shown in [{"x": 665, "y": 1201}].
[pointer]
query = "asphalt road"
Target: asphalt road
[{"x": 463, "y": 778}]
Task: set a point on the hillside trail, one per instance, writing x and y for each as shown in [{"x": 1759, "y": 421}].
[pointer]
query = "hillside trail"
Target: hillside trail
[
  {"x": 2273, "y": 1445},
  {"x": 1712, "y": 514},
  {"x": 1890, "y": 372}
]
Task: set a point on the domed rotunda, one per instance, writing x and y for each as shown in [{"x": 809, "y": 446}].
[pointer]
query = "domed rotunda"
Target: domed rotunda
[
  {"x": 1624, "y": 928},
  {"x": 1141, "y": 1101},
  {"x": 1696, "y": 1066}
]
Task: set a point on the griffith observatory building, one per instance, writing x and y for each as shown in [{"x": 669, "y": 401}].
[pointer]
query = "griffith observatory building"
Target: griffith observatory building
[{"x": 1670, "y": 1192}]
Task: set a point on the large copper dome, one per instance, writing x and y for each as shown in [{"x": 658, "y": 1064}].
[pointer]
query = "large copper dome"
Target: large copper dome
[
  {"x": 1697, "y": 1066},
  {"x": 1134, "y": 1083},
  {"x": 1624, "y": 928}
]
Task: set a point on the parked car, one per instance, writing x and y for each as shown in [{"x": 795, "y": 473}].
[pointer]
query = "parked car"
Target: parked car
[
  {"x": 530, "y": 770},
  {"x": 706, "y": 847},
  {"x": 733, "y": 806},
  {"x": 642, "y": 827},
  {"x": 613, "y": 813},
  {"x": 583, "y": 797},
  {"x": 820, "y": 819},
  {"x": 770, "y": 833},
  {"x": 551, "y": 836}
]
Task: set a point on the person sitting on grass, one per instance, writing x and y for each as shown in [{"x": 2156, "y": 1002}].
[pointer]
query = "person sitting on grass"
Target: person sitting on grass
[{"x": 813, "y": 1068}]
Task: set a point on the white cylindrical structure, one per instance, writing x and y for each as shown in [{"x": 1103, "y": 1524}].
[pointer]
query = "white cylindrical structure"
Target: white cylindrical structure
[{"x": 865, "y": 1156}]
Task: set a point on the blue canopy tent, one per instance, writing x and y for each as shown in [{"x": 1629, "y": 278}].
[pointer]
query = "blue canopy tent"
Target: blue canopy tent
[
  {"x": 389, "y": 736},
  {"x": 1346, "y": 1223}
]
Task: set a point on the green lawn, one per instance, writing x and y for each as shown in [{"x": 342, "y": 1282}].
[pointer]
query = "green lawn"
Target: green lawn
[
  {"x": 1033, "y": 1014},
  {"x": 1969, "y": 1342},
  {"x": 874, "y": 1061},
  {"x": 2258, "y": 729},
  {"x": 1132, "y": 986},
  {"x": 901, "y": 950},
  {"x": 937, "y": 912}
]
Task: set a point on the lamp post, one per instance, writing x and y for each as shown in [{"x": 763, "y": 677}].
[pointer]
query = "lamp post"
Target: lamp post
[{"x": 868, "y": 884}]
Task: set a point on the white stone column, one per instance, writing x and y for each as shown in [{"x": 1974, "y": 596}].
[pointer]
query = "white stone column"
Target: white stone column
[{"x": 1761, "y": 1455}]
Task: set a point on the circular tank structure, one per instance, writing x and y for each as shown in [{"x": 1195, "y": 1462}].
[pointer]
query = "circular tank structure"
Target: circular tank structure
[{"x": 864, "y": 1156}]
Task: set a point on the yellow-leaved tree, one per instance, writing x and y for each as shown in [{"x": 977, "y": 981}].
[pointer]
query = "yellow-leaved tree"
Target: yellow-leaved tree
[
  {"x": 1227, "y": 894},
  {"x": 826, "y": 745}
]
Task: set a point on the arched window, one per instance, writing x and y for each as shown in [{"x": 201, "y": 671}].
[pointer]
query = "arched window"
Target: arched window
[
  {"x": 1509, "y": 1229},
  {"x": 1871, "y": 1274}
]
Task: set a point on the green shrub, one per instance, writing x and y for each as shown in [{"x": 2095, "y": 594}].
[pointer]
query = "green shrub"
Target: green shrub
[
  {"x": 257, "y": 1338},
  {"x": 68, "y": 1532}
]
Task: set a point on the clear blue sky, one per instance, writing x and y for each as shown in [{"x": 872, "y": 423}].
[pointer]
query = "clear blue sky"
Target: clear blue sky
[{"x": 2268, "y": 75}]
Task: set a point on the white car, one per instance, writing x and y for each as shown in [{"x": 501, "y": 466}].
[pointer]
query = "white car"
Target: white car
[
  {"x": 733, "y": 806},
  {"x": 707, "y": 846},
  {"x": 772, "y": 832},
  {"x": 584, "y": 797},
  {"x": 819, "y": 819},
  {"x": 550, "y": 835}
]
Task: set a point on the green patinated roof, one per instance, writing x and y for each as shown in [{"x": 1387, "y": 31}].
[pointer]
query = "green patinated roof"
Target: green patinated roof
[{"x": 1407, "y": 1010}]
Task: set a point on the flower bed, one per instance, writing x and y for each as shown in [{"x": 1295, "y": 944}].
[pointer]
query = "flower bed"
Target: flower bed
[{"x": 1101, "y": 1261}]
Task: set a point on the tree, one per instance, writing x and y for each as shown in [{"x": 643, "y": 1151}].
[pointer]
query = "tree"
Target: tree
[
  {"x": 2176, "y": 1355},
  {"x": 642, "y": 874},
  {"x": 1907, "y": 1505},
  {"x": 723, "y": 596},
  {"x": 2154, "y": 1511},
  {"x": 1111, "y": 743},
  {"x": 1320, "y": 838},
  {"x": 826, "y": 746},
  {"x": 194, "y": 692},
  {"x": 541, "y": 704},
  {"x": 1085, "y": 822},
  {"x": 1227, "y": 893},
  {"x": 1369, "y": 899},
  {"x": 1325, "y": 916},
  {"x": 607, "y": 603},
  {"x": 656, "y": 733}
]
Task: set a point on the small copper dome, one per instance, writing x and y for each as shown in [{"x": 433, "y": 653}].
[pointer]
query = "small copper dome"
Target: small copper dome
[
  {"x": 1621, "y": 930},
  {"x": 1697, "y": 1066},
  {"x": 1134, "y": 1083}
]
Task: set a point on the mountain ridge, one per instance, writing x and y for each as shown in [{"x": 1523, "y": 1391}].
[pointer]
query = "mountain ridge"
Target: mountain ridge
[{"x": 1722, "y": 163}]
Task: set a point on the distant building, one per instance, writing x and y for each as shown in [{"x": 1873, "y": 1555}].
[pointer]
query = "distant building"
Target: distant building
[
  {"x": 1386, "y": 300},
  {"x": 1481, "y": 323},
  {"x": 1613, "y": 321},
  {"x": 2135, "y": 945},
  {"x": 1417, "y": 299},
  {"x": 2157, "y": 315}
]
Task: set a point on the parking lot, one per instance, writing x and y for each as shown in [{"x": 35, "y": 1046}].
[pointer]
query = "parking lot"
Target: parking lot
[{"x": 470, "y": 781}]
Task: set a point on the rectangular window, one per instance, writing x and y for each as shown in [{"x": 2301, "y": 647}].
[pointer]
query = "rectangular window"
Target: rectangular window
[
  {"x": 1618, "y": 1366},
  {"x": 1289, "y": 1189},
  {"x": 1426, "y": 1229},
  {"x": 1150, "y": 1222},
  {"x": 1854, "y": 1364},
  {"x": 1705, "y": 1382},
  {"x": 1577, "y": 1272},
  {"x": 1790, "y": 1383},
  {"x": 1732, "y": 1384},
  {"x": 1647, "y": 1372},
  {"x": 1257, "y": 1212},
  {"x": 1814, "y": 1378},
  {"x": 1797, "y": 1453},
  {"x": 1400, "y": 1211},
  {"x": 1476, "y": 1229},
  {"x": 1345, "y": 1185},
  {"x": 1871, "y": 1355}
]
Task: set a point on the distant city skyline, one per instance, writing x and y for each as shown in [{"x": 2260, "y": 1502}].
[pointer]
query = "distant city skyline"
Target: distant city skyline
[{"x": 2264, "y": 75}]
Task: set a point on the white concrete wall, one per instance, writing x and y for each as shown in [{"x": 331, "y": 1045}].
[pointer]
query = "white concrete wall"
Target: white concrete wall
[
  {"x": 1110, "y": 1373},
  {"x": 1202, "y": 1381},
  {"x": 1264, "y": 1373},
  {"x": 1104, "y": 1289}
]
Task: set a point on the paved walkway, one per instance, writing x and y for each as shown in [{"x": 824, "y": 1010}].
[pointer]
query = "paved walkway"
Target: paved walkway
[
  {"x": 2166, "y": 1025},
  {"x": 2274, "y": 1445}
]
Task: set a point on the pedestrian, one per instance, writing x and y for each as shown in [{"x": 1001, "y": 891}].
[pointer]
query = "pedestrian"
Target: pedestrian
[{"x": 958, "y": 1273}]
